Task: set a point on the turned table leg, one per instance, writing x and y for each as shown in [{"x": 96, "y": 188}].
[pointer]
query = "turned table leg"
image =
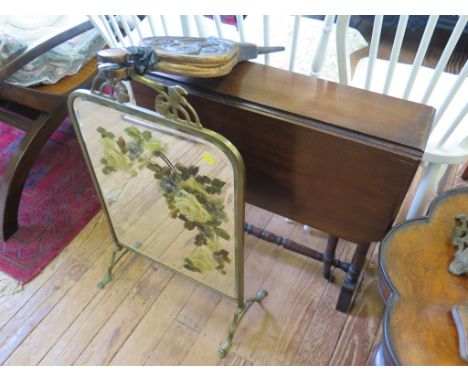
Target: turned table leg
[
  {"x": 329, "y": 256},
  {"x": 350, "y": 282}
]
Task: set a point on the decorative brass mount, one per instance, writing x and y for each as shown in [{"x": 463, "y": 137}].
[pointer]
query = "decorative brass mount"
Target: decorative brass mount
[
  {"x": 459, "y": 265},
  {"x": 119, "y": 65}
]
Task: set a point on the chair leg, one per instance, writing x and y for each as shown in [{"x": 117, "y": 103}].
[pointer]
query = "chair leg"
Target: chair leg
[
  {"x": 19, "y": 166},
  {"x": 426, "y": 190}
]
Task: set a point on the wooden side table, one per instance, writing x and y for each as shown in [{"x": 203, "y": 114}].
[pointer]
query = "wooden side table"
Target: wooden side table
[
  {"x": 418, "y": 289},
  {"x": 334, "y": 157}
]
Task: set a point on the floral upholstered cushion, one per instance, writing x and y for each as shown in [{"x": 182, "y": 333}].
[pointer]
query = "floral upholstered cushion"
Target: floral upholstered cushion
[
  {"x": 9, "y": 47},
  {"x": 63, "y": 60}
]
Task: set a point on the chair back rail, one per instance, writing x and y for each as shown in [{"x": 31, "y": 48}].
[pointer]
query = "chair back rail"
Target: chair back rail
[
  {"x": 342, "y": 55},
  {"x": 319, "y": 56},
  {"x": 426, "y": 38},
  {"x": 266, "y": 37},
  {"x": 374, "y": 46},
  {"x": 395, "y": 52},
  {"x": 457, "y": 31},
  {"x": 295, "y": 38}
]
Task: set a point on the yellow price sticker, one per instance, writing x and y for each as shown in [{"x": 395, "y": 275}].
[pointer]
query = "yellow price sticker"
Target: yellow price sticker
[{"x": 207, "y": 157}]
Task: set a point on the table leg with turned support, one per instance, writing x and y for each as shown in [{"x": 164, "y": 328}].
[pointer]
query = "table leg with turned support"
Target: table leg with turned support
[
  {"x": 351, "y": 279},
  {"x": 352, "y": 269},
  {"x": 329, "y": 257}
]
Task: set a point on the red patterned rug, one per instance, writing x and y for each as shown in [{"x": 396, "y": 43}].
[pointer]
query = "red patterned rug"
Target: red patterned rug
[{"x": 57, "y": 202}]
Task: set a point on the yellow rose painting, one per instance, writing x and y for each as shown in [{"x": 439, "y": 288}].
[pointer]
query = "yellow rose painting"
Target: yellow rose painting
[
  {"x": 113, "y": 157},
  {"x": 192, "y": 198},
  {"x": 188, "y": 205}
]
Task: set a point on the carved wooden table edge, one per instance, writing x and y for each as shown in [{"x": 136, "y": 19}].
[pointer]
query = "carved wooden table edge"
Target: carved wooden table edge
[{"x": 385, "y": 353}]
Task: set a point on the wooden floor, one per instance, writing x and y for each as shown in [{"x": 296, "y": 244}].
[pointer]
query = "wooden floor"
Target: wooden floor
[{"x": 149, "y": 316}]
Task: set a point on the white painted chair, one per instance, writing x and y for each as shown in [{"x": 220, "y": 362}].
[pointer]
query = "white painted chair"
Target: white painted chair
[{"x": 448, "y": 93}]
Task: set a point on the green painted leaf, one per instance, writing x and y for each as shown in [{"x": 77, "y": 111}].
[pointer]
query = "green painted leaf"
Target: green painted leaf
[
  {"x": 106, "y": 170},
  {"x": 104, "y": 133},
  {"x": 222, "y": 233},
  {"x": 202, "y": 179},
  {"x": 153, "y": 167},
  {"x": 147, "y": 135},
  {"x": 193, "y": 170},
  {"x": 200, "y": 240},
  {"x": 217, "y": 183},
  {"x": 133, "y": 132},
  {"x": 213, "y": 190},
  {"x": 189, "y": 265}
]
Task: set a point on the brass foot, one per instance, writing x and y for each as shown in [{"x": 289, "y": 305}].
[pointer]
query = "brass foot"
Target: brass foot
[
  {"x": 108, "y": 276},
  {"x": 240, "y": 312}
]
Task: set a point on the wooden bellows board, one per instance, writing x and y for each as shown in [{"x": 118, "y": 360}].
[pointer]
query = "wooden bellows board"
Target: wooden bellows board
[{"x": 337, "y": 158}]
